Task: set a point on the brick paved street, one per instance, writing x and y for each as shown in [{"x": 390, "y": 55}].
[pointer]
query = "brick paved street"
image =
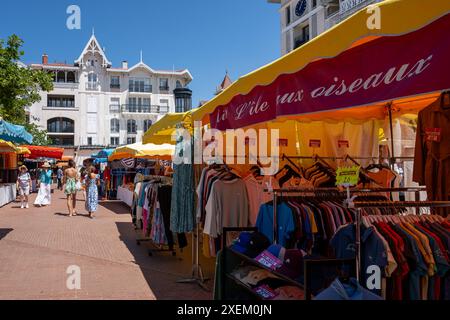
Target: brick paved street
[{"x": 37, "y": 245}]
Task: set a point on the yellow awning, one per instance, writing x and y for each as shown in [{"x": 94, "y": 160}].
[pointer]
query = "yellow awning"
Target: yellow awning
[
  {"x": 23, "y": 150},
  {"x": 161, "y": 131},
  {"x": 145, "y": 151},
  {"x": 7, "y": 147},
  {"x": 397, "y": 17}
]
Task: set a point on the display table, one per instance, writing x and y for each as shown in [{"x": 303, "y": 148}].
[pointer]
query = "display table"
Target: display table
[
  {"x": 125, "y": 195},
  {"x": 8, "y": 193}
]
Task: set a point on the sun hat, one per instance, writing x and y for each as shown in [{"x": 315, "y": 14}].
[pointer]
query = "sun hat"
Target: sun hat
[
  {"x": 23, "y": 167},
  {"x": 46, "y": 165}
]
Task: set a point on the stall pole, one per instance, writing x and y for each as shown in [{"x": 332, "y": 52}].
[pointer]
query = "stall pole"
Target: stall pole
[
  {"x": 358, "y": 244},
  {"x": 391, "y": 128},
  {"x": 197, "y": 272},
  {"x": 275, "y": 212}
]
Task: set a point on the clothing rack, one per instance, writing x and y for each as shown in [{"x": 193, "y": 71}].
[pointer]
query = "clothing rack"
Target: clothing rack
[
  {"x": 350, "y": 204},
  {"x": 162, "y": 180},
  {"x": 358, "y": 205},
  {"x": 286, "y": 157}
]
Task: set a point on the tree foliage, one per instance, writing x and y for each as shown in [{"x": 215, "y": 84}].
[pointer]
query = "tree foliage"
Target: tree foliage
[{"x": 20, "y": 86}]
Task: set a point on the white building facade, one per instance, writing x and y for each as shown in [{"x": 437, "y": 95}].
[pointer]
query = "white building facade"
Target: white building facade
[
  {"x": 95, "y": 105},
  {"x": 303, "y": 20}
]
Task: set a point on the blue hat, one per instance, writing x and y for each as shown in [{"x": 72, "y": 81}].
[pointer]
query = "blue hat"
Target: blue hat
[
  {"x": 251, "y": 243},
  {"x": 242, "y": 243}
]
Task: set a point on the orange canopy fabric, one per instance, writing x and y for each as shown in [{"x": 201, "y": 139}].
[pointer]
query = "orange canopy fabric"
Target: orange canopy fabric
[{"x": 45, "y": 152}]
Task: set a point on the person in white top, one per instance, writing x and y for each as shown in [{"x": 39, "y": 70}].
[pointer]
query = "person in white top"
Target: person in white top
[{"x": 24, "y": 185}]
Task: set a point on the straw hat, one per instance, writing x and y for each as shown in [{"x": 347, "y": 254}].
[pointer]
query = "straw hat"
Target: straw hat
[
  {"x": 23, "y": 167},
  {"x": 46, "y": 165}
]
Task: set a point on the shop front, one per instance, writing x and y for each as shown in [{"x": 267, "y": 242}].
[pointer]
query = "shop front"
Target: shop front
[{"x": 370, "y": 99}]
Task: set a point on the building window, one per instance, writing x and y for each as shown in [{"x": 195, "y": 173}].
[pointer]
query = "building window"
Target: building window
[
  {"x": 131, "y": 140},
  {"x": 114, "y": 106},
  {"x": 92, "y": 81},
  {"x": 147, "y": 124},
  {"x": 89, "y": 141},
  {"x": 60, "y": 101},
  {"x": 115, "y": 126},
  {"x": 140, "y": 105},
  {"x": 288, "y": 15},
  {"x": 115, "y": 82},
  {"x": 164, "y": 84},
  {"x": 301, "y": 36},
  {"x": 139, "y": 85},
  {"x": 314, "y": 3},
  {"x": 61, "y": 76},
  {"x": 131, "y": 126},
  {"x": 71, "y": 77},
  {"x": 114, "y": 141},
  {"x": 92, "y": 77},
  {"x": 60, "y": 125}
]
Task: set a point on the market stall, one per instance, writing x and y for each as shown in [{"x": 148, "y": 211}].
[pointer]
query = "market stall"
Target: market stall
[
  {"x": 128, "y": 161},
  {"x": 8, "y": 172},
  {"x": 343, "y": 93}
]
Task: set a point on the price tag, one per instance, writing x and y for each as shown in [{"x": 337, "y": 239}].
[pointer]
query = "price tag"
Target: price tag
[
  {"x": 433, "y": 134},
  {"x": 269, "y": 260},
  {"x": 343, "y": 144},
  {"x": 265, "y": 292},
  {"x": 347, "y": 176},
  {"x": 282, "y": 142},
  {"x": 314, "y": 143}
]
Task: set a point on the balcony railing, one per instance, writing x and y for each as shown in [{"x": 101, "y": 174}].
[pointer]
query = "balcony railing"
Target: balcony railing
[
  {"x": 114, "y": 108},
  {"x": 134, "y": 108},
  {"x": 62, "y": 105},
  {"x": 92, "y": 86},
  {"x": 140, "y": 88},
  {"x": 163, "y": 88},
  {"x": 65, "y": 84},
  {"x": 114, "y": 85}
]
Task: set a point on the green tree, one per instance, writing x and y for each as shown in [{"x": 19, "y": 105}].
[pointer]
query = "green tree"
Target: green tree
[{"x": 20, "y": 87}]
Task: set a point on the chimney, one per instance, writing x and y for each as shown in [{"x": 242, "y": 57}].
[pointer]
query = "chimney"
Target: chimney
[
  {"x": 44, "y": 58},
  {"x": 124, "y": 64}
]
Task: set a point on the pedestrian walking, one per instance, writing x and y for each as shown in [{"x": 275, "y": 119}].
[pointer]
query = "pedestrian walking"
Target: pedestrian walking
[
  {"x": 92, "y": 182},
  {"x": 70, "y": 187},
  {"x": 59, "y": 178},
  {"x": 44, "y": 196},
  {"x": 24, "y": 185}
]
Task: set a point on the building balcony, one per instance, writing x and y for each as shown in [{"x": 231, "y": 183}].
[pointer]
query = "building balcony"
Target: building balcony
[
  {"x": 93, "y": 86},
  {"x": 140, "y": 89},
  {"x": 114, "y": 85},
  {"x": 164, "y": 89},
  {"x": 133, "y": 108}
]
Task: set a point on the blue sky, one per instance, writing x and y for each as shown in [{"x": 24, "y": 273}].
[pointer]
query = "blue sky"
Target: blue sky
[{"x": 205, "y": 36}]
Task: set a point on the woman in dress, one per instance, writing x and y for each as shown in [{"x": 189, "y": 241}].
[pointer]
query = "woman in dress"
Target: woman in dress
[
  {"x": 44, "y": 196},
  {"x": 70, "y": 187},
  {"x": 91, "y": 191},
  {"x": 24, "y": 185}
]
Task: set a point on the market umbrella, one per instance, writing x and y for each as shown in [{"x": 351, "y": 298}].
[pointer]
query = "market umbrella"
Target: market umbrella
[
  {"x": 161, "y": 131},
  {"x": 145, "y": 151},
  {"x": 14, "y": 133},
  {"x": 45, "y": 152}
]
